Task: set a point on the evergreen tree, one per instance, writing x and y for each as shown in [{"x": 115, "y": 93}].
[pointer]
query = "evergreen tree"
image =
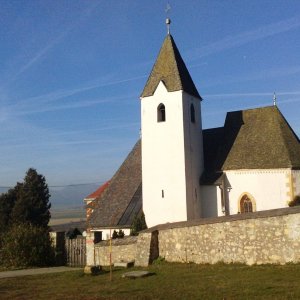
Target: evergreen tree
[
  {"x": 121, "y": 234},
  {"x": 114, "y": 235},
  {"x": 32, "y": 204},
  {"x": 7, "y": 202},
  {"x": 138, "y": 224}
]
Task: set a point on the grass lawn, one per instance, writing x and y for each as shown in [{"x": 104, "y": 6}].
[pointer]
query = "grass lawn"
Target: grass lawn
[{"x": 172, "y": 281}]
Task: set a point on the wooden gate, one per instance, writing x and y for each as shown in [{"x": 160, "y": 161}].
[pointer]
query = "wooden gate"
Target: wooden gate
[{"x": 76, "y": 252}]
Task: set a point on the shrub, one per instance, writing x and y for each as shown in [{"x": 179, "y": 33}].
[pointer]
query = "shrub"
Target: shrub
[
  {"x": 25, "y": 245},
  {"x": 121, "y": 234},
  {"x": 118, "y": 235},
  {"x": 295, "y": 201},
  {"x": 159, "y": 260},
  {"x": 114, "y": 235},
  {"x": 73, "y": 233}
]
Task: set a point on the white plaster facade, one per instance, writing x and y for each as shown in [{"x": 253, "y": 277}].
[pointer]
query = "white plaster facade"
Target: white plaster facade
[
  {"x": 172, "y": 159},
  {"x": 267, "y": 189},
  {"x": 107, "y": 233},
  {"x": 211, "y": 201}
]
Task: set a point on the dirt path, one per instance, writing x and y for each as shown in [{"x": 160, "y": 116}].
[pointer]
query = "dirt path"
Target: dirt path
[{"x": 26, "y": 272}]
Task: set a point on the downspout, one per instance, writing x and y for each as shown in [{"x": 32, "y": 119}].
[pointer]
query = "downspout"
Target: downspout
[{"x": 223, "y": 197}]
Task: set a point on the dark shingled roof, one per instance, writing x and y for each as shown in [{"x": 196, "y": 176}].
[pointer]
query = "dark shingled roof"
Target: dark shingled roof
[
  {"x": 258, "y": 138},
  {"x": 122, "y": 199},
  {"x": 170, "y": 68}
]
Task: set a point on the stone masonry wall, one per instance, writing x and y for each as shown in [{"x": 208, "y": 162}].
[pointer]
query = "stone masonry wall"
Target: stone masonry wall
[
  {"x": 257, "y": 240},
  {"x": 143, "y": 249},
  {"x": 123, "y": 250}
]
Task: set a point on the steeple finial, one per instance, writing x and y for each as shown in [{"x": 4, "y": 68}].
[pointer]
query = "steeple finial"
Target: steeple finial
[
  {"x": 168, "y": 20},
  {"x": 274, "y": 99}
]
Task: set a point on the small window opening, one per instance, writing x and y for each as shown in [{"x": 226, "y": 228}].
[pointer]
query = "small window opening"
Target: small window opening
[
  {"x": 162, "y": 194},
  {"x": 193, "y": 120},
  {"x": 161, "y": 113}
]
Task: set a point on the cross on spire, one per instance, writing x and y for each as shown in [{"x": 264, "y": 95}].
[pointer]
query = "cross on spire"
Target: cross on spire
[
  {"x": 168, "y": 20},
  {"x": 274, "y": 99}
]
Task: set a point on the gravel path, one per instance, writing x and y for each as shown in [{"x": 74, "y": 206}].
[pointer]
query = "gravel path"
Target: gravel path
[{"x": 26, "y": 272}]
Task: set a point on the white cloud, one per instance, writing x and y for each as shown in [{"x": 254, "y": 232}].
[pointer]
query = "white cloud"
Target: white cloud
[
  {"x": 261, "y": 75},
  {"x": 231, "y": 95},
  {"x": 43, "y": 51},
  {"x": 245, "y": 37},
  {"x": 60, "y": 94}
]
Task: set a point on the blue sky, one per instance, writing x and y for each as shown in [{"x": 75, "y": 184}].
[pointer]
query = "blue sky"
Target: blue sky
[{"x": 72, "y": 71}]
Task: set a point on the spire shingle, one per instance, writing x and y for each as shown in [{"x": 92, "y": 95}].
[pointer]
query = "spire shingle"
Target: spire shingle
[{"x": 171, "y": 70}]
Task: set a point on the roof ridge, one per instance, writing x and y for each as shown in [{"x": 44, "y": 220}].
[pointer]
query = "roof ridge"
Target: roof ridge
[
  {"x": 287, "y": 145},
  {"x": 173, "y": 53}
]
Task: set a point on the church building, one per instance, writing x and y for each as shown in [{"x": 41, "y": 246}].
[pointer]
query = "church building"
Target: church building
[{"x": 178, "y": 171}]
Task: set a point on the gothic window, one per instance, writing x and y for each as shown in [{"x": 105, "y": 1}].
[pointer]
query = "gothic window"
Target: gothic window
[
  {"x": 246, "y": 205},
  {"x": 161, "y": 113},
  {"x": 192, "y": 113}
]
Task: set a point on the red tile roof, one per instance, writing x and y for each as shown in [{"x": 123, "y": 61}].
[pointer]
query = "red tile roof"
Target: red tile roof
[{"x": 98, "y": 192}]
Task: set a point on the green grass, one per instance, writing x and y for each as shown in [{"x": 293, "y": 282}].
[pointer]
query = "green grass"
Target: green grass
[{"x": 172, "y": 281}]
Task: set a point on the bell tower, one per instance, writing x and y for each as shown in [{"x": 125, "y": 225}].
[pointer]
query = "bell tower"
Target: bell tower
[{"x": 172, "y": 147}]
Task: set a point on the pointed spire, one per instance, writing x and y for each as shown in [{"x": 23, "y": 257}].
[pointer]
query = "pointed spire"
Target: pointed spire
[{"x": 171, "y": 70}]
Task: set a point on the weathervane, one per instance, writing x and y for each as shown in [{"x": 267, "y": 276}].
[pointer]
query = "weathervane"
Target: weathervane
[
  {"x": 274, "y": 99},
  {"x": 168, "y": 20}
]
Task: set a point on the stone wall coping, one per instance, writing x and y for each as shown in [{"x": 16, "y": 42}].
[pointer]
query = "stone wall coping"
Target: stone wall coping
[
  {"x": 224, "y": 219},
  {"x": 127, "y": 240}
]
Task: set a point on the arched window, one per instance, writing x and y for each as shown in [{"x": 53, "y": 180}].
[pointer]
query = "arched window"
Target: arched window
[
  {"x": 246, "y": 204},
  {"x": 192, "y": 113},
  {"x": 161, "y": 113}
]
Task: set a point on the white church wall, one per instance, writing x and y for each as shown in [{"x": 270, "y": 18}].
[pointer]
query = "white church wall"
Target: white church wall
[
  {"x": 193, "y": 147},
  {"x": 211, "y": 201},
  {"x": 106, "y": 232},
  {"x": 269, "y": 188},
  {"x": 163, "y": 162}
]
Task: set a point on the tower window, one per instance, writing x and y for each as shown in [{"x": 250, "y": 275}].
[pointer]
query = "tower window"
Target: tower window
[
  {"x": 162, "y": 193},
  {"x": 161, "y": 113},
  {"x": 192, "y": 113}
]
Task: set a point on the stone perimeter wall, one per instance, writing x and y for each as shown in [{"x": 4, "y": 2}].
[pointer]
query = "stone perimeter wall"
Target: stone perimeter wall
[
  {"x": 261, "y": 241},
  {"x": 256, "y": 238},
  {"x": 121, "y": 250}
]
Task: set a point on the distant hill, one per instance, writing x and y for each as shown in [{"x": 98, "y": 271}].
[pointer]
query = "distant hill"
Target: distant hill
[{"x": 69, "y": 196}]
